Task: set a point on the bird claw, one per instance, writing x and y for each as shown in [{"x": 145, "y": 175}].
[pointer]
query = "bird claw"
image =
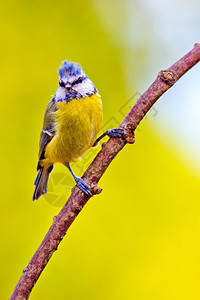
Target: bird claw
[
  {"x": 84, "y": 187},
  {"x": 125, "y": 133},
  {"x": 116, "y": 132}
]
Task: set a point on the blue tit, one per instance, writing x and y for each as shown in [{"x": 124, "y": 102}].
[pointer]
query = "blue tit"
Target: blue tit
[{"x": 72, "y": 120}]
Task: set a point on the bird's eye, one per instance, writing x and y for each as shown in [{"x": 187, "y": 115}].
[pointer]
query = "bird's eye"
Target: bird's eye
[
  {"x": 61, "y": 83},
  {"x": 79, "y": 80}
]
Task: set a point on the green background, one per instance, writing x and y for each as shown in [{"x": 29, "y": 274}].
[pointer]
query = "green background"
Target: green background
[{"x": 139, "y": 239}]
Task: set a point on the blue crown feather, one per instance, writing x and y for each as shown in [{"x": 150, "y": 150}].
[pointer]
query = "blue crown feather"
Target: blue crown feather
[{"x": 69, "y": 69}]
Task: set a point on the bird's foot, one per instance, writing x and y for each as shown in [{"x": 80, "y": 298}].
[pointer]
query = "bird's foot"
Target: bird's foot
[
  {"x": 84, "y": 187},
  {"x": 125, "y": 133},
  {"x": 116, "y": 132}
]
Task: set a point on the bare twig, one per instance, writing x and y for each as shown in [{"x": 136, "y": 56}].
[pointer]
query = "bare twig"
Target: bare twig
[{"x": 110, "y": 149}]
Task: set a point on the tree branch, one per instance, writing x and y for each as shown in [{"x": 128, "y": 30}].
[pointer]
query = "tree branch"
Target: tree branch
[{"x": 110, "y": 149}]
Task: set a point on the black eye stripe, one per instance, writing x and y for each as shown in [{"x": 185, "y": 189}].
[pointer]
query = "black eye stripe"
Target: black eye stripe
[
  {"x": 61, "y": 83},
  {"x": 79, "y": 80}
]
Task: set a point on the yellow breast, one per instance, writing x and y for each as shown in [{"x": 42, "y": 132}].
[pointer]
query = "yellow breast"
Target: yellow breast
[{"x": 77, "y": 125}]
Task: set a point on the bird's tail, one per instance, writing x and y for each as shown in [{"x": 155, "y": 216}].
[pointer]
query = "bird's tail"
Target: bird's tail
[{"x": 41, "y": 182}]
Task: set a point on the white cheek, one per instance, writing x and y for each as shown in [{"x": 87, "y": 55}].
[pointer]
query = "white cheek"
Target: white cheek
[
  {"x": 60, "y": 93},
  {"x": 85, "y": 87}
]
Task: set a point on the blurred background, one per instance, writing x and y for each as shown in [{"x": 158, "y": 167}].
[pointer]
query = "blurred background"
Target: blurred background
[{"x": 139, "y": 239}]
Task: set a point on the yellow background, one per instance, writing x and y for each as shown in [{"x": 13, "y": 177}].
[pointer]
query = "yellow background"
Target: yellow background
[{"x": 139, "y": 239}]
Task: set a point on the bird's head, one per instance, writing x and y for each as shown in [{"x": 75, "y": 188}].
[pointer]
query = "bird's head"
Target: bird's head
[
  {"x": 69, "y": 72},
  {"x": 73, "y": 82}
]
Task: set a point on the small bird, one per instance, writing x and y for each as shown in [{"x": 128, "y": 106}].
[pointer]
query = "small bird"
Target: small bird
[{"x": 72, "y": 120}]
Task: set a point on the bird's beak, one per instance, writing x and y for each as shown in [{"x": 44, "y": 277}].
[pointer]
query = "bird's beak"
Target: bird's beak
[{"x": 67, "y": 85}]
